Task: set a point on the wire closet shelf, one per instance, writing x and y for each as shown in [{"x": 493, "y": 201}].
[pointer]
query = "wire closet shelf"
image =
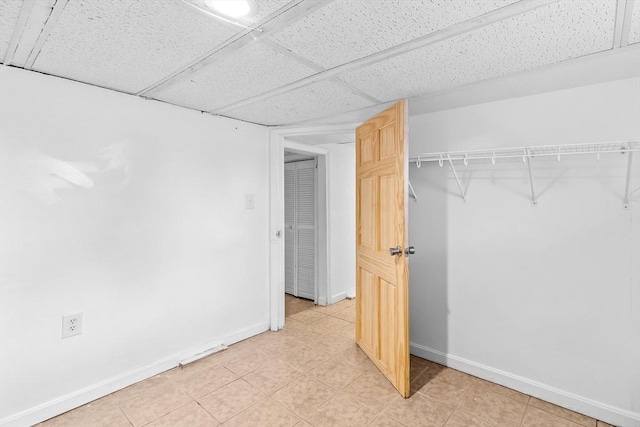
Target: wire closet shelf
[{"x": 527, "y": 152}]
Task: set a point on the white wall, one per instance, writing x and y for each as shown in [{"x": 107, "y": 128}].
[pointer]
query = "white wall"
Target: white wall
[
  {"x": 132, "y": 212},
  {"x": 543, "y": 299},
  {"x": 342, "y": 226}
]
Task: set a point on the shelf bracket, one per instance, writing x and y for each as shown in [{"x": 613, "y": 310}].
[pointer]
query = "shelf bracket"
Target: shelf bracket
[
  {"x": 453, "y": 169},
  {"x": 534, "y": 202},
  {"x": 627, "y": 192},
  {"x": 412, "y": 192}
]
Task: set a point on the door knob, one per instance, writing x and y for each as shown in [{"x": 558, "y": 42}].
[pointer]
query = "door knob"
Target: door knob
[
  {"x": 395, "y": 251},
  {"x": 410, "y": 250}
]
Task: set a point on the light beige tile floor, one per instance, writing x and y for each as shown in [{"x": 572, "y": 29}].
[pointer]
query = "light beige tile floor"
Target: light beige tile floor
[{"x": 313, "y": 374}]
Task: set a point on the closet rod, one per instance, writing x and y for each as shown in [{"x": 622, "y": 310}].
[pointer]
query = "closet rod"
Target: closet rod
[{"x": 527, "y": 152}]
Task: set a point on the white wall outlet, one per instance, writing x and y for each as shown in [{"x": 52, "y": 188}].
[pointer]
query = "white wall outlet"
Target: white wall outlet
[
  {"x": 71, "y": 325},
  {"x": 249, "y": 201}
]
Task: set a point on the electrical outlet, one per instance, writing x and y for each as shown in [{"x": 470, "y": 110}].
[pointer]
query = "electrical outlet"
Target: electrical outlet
[{"x": 71, "y": 325}]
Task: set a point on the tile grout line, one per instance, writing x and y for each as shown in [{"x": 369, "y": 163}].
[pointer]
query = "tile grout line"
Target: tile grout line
[{"x": 563, "y": 417}]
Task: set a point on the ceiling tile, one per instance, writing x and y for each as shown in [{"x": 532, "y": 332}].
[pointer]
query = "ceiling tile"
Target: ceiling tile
[
  {"x": 634, "y": 31},
  {"x": 547, "y": 35},
  {"x": 313, "y": 101},
  {"x": 252, "y": 70},
  {"x": 128, "y": 45},
  {"x": 9, "y": 11},
  {"x": 345, "y": 30}
]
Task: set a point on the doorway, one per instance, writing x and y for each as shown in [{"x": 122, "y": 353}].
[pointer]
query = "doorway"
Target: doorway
[{"x": 285, "y": 140}]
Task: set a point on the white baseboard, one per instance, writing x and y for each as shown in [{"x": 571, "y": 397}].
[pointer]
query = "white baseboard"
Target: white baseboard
[
  {"x": 591, "y": 408},
  {"x": 88, "y": 394},
  {"x": 338, "y": 297},
  {"x": 243, "y": 334}
]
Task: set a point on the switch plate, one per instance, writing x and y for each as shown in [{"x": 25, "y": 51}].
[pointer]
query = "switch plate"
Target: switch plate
[
  {"x": 249, "y": 201},
  {"x": 71, "y": 325}
]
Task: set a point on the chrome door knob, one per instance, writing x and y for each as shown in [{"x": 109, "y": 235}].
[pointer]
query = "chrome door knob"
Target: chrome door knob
[
  {"x": 410, "y": 250},
  {"x": 395, "y": 251}
]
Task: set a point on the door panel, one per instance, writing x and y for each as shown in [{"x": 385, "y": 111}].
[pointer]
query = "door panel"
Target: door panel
[
  {"x": 367, "y": 235},
  {"x": 382, "y": 297},
  {"x": 388, "y": 325},
  {"x": 366, "y": 149},
  {"x": 367, "y": 310},
  {"x": 387, "y": 142},
  {"x": 388, "y": 238}
]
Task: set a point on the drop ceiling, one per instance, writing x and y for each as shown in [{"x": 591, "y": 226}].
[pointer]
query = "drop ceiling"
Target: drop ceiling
[{"x": 301, "y": 60}]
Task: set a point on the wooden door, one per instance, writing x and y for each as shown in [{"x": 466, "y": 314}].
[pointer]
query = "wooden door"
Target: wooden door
[{"x": 382, "y": 291}]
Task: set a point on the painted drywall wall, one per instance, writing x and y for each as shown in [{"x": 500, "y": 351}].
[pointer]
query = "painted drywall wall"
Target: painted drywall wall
[
  {"x": 342, "y": 227},
  {"x": 132, "y": 212},
  {"x": 543, "y": 299}
]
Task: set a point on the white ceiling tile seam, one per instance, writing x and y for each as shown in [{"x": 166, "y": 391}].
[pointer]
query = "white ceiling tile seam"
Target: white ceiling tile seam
[
  {"x": 56, "y": 12},
  {"x": 431, "y": 38},
  {"x": 356, "y": 90},
  {"x": 256, "y": 68},
  {"x": 550, "y": 35},
  {"x": 624, "y": 19},
  {"x": 319, "y": 100},
  {"x": 23, "y": 17},
  {"x": 350, "y": 29},
  {"x": 126, "y": 45},
  {"x": 317, "y": 68},
  {"x": 634, "y": 26},
  {"x": 277, "y": 20}
]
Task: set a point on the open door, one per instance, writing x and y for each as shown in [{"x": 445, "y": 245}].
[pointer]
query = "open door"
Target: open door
[{"x": 382, "y": 273}]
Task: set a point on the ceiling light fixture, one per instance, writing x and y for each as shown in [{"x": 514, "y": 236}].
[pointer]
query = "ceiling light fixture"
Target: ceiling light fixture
[
  {"x": 209, "y": 10},
  {"x": 234, "y": 8}
]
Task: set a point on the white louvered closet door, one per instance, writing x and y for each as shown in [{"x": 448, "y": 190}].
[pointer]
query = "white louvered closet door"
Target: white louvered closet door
[
  {"x": 289, "y": 227},
  {"x": 300, "y": 228}
]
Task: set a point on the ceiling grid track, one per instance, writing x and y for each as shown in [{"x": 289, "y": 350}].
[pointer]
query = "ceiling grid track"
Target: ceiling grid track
[
  {"x": 498, "y": 15},
  {"x": 621, "y": 6},
  {"x": 284, "y": 16},
  {"x": 57, "y": 10},
  {"x": 25, "y": 11},
  {"x": 624, "y": 13},
  {"x": 318, "y": 68}
]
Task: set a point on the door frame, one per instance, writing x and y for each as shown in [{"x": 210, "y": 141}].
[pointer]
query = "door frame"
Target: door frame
[{"x": 279, "y": 142}]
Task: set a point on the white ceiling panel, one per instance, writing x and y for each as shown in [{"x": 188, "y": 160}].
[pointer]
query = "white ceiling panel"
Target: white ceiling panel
[
  {"x": 345, "y": 30},
  {"x": 634, "y": 30},
  {"x": 547, "y": 35},
  {"x": 254, "y": 69},
  {"x": 9, "y": 11},
  {"x": 128, "y": 45},
  {"x": 317, "y": 100}
]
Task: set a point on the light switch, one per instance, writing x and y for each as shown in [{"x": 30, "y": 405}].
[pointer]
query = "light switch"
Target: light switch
[{"x": 249, "y": 201}]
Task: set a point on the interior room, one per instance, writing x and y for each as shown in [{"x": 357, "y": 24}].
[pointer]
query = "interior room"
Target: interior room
[{"x": 184, "y": 188}]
